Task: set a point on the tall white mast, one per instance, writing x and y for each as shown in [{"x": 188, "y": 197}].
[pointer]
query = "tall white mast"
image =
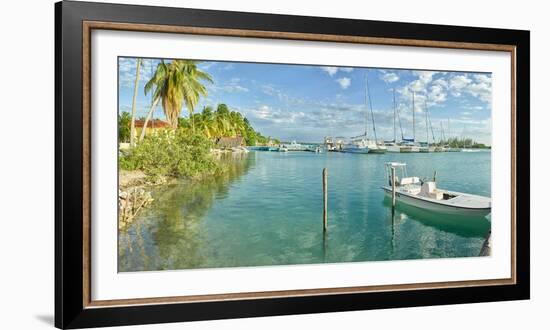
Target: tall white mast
[
  {"x": 394, "y": 110},
  {"x": 427, "y": 134},
  {"x": 414, "y": 136},
  {"x": 369, "y": 98}
]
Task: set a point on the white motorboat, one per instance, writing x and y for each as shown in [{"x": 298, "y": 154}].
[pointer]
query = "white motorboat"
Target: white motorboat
[
  {"x": 425, "y": 194},
  {"x": 356, "y": 146},
  {"x": 294, "y": 146}
]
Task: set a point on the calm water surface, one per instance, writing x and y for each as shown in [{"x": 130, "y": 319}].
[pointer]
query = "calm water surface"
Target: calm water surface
[{"x": 267, "y": 210}]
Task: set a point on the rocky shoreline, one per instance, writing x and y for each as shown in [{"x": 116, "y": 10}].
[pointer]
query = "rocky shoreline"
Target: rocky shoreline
[{"x": 133, "y": 192}]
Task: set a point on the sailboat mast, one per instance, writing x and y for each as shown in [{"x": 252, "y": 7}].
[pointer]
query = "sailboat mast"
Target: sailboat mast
[
  {"x": 427, "y": 135},
  {"x": 399, "y": 119},
  {"x": 394, "y": 128},
  {"x": 370, "y": 105},
  {"x": 429, "y": 121},
  {"x": 442, "y": 135},
  {"x": 414, "y": 133}
]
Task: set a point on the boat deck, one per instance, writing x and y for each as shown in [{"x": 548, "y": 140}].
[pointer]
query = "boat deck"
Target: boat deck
[{"x": 471, "y": 201}]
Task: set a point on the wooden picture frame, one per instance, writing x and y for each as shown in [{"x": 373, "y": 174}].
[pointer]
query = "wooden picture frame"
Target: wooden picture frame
[{"x": 74, "y": 307}]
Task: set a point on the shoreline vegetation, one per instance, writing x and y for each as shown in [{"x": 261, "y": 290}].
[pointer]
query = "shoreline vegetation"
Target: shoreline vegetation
[{"x": 177, "y": 149}]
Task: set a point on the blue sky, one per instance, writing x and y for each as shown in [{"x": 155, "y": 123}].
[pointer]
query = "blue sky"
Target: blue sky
[{"x": 306, "y": 103}]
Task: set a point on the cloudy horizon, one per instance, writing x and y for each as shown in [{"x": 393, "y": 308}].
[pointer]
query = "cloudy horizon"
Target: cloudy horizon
[{"x": 306, "y": 102}]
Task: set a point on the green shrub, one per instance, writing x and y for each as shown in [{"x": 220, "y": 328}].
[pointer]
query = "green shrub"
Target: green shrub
[
  {"x": 171, "y": 153},
  {"x": 124, "y": 120}
]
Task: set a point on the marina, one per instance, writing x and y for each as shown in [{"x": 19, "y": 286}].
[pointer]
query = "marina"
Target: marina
[{"x": 283, "y": 164}]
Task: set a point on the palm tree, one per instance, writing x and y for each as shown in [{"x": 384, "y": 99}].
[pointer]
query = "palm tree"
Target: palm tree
[
  {"x": 207, "y": 122},
  {"x": 133, "y": 120},
  {"x": 178, "y": 83}
]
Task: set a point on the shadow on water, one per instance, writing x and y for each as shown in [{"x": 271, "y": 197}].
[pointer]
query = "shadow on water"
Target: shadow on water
[
  {"x": 464, "y": 226},
  {"x": 172, "y": 228}
]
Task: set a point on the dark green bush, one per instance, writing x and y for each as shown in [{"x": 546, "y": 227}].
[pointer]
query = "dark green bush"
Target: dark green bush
[{"x": 171, "y": 153}]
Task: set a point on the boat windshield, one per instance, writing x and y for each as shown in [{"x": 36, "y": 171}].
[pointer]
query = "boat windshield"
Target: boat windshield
[{"x": 400, "y": 171}]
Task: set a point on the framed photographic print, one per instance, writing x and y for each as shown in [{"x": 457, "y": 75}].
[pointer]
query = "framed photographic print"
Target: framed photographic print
[{"x": 218, "y": 164}]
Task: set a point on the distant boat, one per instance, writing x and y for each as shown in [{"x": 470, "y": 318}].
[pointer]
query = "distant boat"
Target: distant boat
[
  {"x": 406, "y": 145},
  {"x": 356, "y": 146},
  {"x": 294, "y": 146},
  {"x": 425, "y": 195},
  {"x": 314, "y": 148},
  {"x": 426, "y": 149},
  {"x": 334, "y": 143},
  {"x": 374, "y": 146},
  {"x": 363, "y": 144}
]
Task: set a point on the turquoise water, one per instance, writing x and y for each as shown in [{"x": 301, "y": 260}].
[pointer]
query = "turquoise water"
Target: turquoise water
[{"x": 267, "y": 210}]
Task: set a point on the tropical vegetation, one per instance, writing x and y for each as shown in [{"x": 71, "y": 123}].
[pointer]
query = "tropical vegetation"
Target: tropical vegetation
[
  {"x": 124, "y": 120},
  {"x": 223, "y": 122},
  {"x": 184, "y": 149},
  {"x": 171, "y": 153},
  {"x": 465, "y": 143},
  {"x": 176, "y": 84}
]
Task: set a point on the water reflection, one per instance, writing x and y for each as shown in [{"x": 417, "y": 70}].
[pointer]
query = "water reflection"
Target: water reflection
[
  {"x": 170, "y": 235},
  {"x": 463, "y": 226}
]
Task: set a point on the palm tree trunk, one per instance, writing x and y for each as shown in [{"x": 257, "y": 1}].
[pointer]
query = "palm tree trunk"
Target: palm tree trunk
[
  {"x": 192, "y": 121},
  {"x": 149, "y": 114},
  {"x": 133, "y": 122}
]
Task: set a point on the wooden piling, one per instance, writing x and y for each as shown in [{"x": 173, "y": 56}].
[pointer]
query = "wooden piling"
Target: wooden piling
[
  {"x": 393, "y": 186},
  {"x": 325, "y": 200}
]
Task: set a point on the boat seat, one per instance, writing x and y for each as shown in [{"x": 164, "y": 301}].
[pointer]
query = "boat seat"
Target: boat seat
[
  {"x": 410, "y": 180},
  {"x": 429, "y": 189},
  {"x": 437, "y": 195}
]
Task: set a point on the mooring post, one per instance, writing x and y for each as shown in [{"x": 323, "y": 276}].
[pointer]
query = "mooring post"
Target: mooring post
[
  {"x": 325, "y": 199},
  {"x": 393, "y": 186}
]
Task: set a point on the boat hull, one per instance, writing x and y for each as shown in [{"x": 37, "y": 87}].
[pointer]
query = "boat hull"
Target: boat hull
[
  {"x": 393, "y": 149},
  {"x": 377, "y": 150},
  {"x": 356, "y": 150},
  {"x": 409, "y": 149},
  {"x": 435, "y": 206},
  {"x": 402, "y": 149}
]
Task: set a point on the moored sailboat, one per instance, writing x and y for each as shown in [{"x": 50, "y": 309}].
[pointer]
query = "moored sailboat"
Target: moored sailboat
[{"x": 363, "y": 144}]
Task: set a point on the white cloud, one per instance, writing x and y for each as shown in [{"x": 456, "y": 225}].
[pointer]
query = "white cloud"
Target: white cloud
[
  {"x": 127, "y": 71},
  {"x": 344, "y": 82},
  {"x": 481, "y": 90},
  {"x": 331, "y": 70},
  {"x": 389, "y": 77},
  {"x": 441, "y": 82},
  {"x": 458, "y": 83},
  {"x": 437, "y": 94},
  {"x": 433, "y": 88},
  {"x": 424, "y": 76},
  {"x": 281, "y": 95},
  {"x": 479, "y": 87}
]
